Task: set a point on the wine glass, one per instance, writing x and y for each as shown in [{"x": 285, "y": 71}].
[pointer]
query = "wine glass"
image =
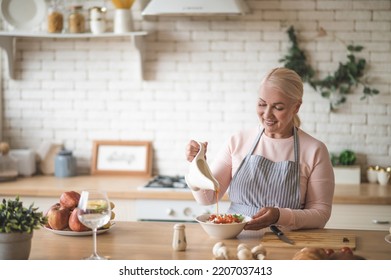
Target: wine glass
[{"x": 94, "y": 211}]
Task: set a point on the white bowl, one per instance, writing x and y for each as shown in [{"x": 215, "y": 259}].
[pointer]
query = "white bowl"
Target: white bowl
[{"x": 221, "y": 231}]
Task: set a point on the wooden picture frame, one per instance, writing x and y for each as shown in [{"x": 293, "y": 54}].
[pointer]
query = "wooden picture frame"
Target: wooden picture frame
[{"x": 122, "y": 158}]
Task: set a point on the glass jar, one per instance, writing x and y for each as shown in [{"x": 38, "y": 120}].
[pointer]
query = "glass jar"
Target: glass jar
[
  {"x": 55, "y": 19},
  {"x": 97, "y": 20},
  {"x": 8, "y": 165},
  {"x": 372, "y": 174},
  {"x": 65, "y": 164},
  {"x": 383, "y": 176},
  {"x": 76, "y": 20}
]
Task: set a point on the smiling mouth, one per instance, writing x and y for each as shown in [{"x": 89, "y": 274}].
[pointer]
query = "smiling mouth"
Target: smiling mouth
[{"x": 269, "y": 123}]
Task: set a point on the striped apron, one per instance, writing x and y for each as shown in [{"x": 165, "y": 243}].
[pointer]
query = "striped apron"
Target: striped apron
[{"x": 260, "y": 182}]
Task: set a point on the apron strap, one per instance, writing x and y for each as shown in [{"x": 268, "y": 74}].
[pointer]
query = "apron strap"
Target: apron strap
[
  {"x": 297, "y": 153},
  {"x": 249, "y": 152},
  {"x": 260, "y": 133}
]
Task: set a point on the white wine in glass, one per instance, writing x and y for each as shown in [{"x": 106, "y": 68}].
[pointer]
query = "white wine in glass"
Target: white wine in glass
[{"x": 94, "y": 212}]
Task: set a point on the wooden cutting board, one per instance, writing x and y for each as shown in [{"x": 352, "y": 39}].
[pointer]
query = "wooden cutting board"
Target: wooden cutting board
[{"x": 311, "y": 239}]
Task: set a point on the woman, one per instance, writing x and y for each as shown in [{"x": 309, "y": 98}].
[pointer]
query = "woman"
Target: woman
[{"x": 276, "y": 173}]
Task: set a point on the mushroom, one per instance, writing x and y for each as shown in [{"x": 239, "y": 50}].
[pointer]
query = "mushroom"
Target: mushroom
[
  {"x": 220, "y": 251},
  {"x": 245, "y": 254},
  {"x": 242, "y": 246},
  {"x": 216, "y": 247},
  {"x": 223, "y": 253},
  {"x": 259, "y": 252}
]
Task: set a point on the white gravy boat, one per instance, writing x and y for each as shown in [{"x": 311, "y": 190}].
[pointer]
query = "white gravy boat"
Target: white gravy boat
[{"x": 200, "y": 176}]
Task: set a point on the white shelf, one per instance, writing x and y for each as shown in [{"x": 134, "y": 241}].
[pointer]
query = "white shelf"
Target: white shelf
[{"x": 8, "y": 41}]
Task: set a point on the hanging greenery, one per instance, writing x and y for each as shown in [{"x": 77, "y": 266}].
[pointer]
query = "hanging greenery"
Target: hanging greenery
[
  {"x": 297, "y": 60},
  {"x": 335, "y": 86}
]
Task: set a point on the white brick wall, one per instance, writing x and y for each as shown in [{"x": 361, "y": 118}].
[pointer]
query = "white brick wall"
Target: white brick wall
[{"x": 202, "y": 76}]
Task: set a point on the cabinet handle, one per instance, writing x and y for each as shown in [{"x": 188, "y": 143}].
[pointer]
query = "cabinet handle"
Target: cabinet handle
[{"x": 381, "y": 222}]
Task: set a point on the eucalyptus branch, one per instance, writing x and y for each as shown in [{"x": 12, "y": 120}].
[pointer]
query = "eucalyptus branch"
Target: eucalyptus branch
[
  {"x": 335, "y": 86},
  {"x": 297, "y": 60}
]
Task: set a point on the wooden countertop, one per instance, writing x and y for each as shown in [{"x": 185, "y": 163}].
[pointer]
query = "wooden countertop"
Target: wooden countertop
[
  {"x": 152, "y": 241},
  {"x": 365, "y": 193},
  {"x": 125, "y": 187},
  {"x": 117, "y": 187}
]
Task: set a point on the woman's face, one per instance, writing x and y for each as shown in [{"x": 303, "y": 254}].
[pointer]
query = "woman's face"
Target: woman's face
[{"x": 276, "y": 111}]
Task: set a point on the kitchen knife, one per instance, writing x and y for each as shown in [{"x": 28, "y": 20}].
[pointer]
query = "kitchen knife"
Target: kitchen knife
[{"x": 281, "y": 235}]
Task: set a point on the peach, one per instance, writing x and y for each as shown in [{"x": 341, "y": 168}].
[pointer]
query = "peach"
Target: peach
[
  {"x": 69, "y": 199},
  {"x": 74, "y": 222},
  {"x": 58, "y": 217}
]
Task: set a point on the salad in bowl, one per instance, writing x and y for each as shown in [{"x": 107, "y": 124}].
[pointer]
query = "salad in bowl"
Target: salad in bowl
[{"x": 222, "y": 226}]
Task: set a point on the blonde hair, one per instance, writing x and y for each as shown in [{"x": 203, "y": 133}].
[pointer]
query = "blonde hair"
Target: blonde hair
[{"x": 289, "y": 83}]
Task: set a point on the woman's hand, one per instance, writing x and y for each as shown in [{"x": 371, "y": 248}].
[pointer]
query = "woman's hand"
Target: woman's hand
[
  {"x": 193, "y": 148},
  {"x": 264, "y": 218}
]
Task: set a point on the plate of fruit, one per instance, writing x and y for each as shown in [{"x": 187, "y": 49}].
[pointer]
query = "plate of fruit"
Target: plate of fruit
[{"x": 62, "y": 217}]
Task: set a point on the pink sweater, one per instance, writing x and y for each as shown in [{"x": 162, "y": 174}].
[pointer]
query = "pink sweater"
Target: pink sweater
[{"x": 316, "y": 174}]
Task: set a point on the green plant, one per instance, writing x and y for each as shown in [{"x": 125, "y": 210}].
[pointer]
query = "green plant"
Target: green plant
[
  {"x": 335, "y": 86},
  {"x": 14, "y": 217},
  {"x": 346, "y": 157},
  {"x": 334, "y": 159}
]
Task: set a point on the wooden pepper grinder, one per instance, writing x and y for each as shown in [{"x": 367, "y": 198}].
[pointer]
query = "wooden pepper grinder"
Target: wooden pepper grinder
[{"x": 179, "y": 239}]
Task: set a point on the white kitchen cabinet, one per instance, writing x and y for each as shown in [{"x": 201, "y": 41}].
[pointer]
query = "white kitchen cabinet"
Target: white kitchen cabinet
[
  {"x": 8, "y": 41},
  {"x": 174, "y": 210},
  {"x": 363, "y": 217}
]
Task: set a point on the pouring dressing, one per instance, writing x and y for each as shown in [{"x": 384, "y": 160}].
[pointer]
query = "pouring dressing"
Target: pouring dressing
[{"x": 200, "y": 176}]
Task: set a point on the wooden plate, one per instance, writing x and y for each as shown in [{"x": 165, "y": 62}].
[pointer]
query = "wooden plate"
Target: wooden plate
[{"x": 69, "y": 232}]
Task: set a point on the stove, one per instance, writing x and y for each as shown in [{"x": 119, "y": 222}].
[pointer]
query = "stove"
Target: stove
[{"x": 171, "y": 183}]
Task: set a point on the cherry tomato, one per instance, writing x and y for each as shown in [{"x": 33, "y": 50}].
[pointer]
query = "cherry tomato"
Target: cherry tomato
[{"x": 225, "y": 218}]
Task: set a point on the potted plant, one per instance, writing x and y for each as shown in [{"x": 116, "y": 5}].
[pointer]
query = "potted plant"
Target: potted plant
[
  {"x": 345, "y": 170},
  {"x": 17, "y": 224}
]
